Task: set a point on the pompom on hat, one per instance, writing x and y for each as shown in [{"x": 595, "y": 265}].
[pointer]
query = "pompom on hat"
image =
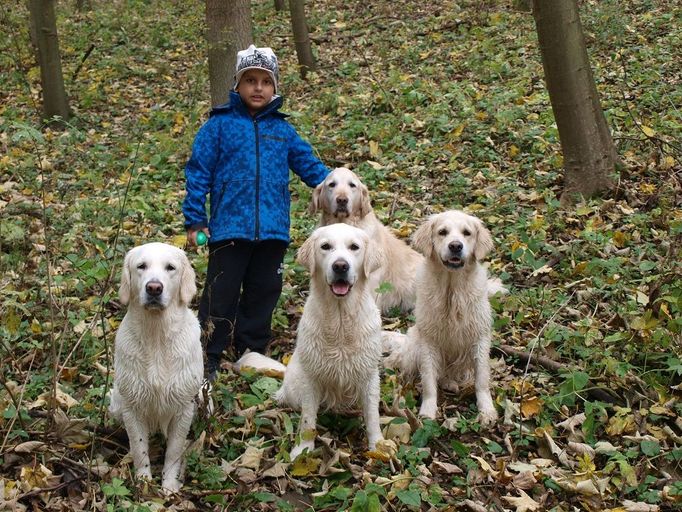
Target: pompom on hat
[{"x": 257, "y": 58}]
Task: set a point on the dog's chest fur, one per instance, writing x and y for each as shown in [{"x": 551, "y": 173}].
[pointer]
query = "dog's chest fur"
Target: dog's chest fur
[
  {"x": 342, "y": 351},
  {"x": 460, "y": 303},
  {"x": 155, "y": 374}
]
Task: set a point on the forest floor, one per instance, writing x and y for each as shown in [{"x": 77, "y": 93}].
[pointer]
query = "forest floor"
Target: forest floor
[{"x": 437, "y": 105}]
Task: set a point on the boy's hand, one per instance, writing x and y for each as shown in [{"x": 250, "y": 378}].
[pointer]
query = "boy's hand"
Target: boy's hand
[{"x": 192, "y": 236}]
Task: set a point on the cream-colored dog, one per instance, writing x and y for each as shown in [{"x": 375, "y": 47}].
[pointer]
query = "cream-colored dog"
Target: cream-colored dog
[
  {"x": 158, "y": 359},
  {"x": 338, "y": 347},
  {"x": 342, "y": 197},
  {"x": 453, "y": 318}
]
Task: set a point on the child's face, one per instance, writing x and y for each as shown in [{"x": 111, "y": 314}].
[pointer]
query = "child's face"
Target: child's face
[{"x": 256, "y": 89}]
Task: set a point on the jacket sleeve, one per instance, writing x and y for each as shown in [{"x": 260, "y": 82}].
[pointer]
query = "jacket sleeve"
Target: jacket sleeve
[
  {"x": 303, "y": 161},
  {"x": 199, "y": 174}
]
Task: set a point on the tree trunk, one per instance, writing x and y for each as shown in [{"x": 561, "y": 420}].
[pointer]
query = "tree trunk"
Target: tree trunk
[
  {"x": 299, "y": 26},
  {"x": 55, "y": 102},
  {"x": 280, "y": 5},
  {"x": 229, "y": 30},
  {"x": 586, "y": 143}
]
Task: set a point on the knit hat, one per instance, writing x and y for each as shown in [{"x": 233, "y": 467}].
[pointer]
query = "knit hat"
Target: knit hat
[{"x": 257, "y": 58}]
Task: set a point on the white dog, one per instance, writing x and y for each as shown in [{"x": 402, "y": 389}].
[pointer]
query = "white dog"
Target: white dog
[
  {"x": 453, "y": 318},
  {"x": 342, "y": 197},
  {"x": 338, "y": 348},
  {"x": 158, "y": 360}
]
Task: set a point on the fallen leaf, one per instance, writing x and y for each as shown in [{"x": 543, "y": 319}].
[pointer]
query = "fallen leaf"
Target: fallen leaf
[
  {"x": 305, "y": 465},
  {"x": 524, "y": 503},
  {"x": 639, "y": 506},
  {"x": 251, "y": 458}
]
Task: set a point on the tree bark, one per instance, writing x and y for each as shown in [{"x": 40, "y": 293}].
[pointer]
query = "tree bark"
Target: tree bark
[
  {"x": 588, "y": 149},
  {"x": 299, "y": 26},
  {"x": 229, "y": 30},
  {"x": 55, "y": 101},
  {"x": 280, "y": 5}
]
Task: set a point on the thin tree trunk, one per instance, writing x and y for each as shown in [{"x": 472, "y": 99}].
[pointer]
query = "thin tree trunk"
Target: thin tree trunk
[
  {"x": 280, "y": 5},
  {"x": 229, "y": 30},
  {"x": 55, "y": 102},
  {"x": 588, "y": 149},
  {"x": 299, "y": 26}
]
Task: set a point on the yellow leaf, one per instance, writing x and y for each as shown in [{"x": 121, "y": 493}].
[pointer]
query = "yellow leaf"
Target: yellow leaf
[
  {"x": 36, "y": 327},
  {"x": 531, "y": 407},
  {"x": 648, "y": 131},
  {"x": 667, "y": 163},
  {"x": 385, "y": 450},
  {"x": 374, "y": 149},
  {"x": 620, "y": 239},
  {"x": 179, "y": 240},
  {"x": 305, "y": 465},
  {"x": 457, "y": 131},
  {"x": 309, "y": 435},
  {"x": 513, "y": 150}
]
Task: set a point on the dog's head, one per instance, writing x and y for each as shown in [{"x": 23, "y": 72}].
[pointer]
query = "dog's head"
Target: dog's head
[
  {"x": 340, "y": 256},
  {"x": 454, "y": 238},
  {"x": 341, "y": 195},
  {"x": 156, "y": 275}
]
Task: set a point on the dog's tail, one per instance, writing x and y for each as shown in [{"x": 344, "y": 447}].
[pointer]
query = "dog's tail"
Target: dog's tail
[
  {"x": 399, "y": 353},
  {"x": 495, "y": 286},
  {"x": 262, "y": 364}
]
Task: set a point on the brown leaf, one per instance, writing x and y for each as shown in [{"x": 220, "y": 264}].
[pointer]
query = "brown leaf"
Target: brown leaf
[{"x": 524, "y": 503}]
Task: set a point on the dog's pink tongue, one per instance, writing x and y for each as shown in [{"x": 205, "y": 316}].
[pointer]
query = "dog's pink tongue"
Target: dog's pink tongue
[{"x": 340, "y": 288}]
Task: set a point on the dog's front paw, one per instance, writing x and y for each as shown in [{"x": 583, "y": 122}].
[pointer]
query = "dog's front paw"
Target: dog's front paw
[
  {"x": 144, "y": 473},
  {"x": 428, "y": 409},
  {"x": 171, "y": 485},
  {"x": 487, "y": 417},
  {"x": 300, "y": 448}
]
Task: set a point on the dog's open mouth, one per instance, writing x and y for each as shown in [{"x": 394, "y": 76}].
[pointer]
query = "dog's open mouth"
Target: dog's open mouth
[
  {"x": 341, "y": 287},
  {"x": 454, "y": 262}
]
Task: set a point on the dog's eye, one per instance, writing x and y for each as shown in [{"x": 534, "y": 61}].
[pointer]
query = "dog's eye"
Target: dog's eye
[
  {"x": 325, "y": 246},
  {"x": 331, "y": 184},
  {"x": 442, "y": 232},
  {"x": 170, "y": 267},
  {"x": 354, "y": 247},
  {"x": 466, "y": 232},
  {"x": 352, "y": 185},
  {"x": 142, "y": 266}
]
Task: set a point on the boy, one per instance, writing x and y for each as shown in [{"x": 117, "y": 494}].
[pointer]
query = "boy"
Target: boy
[{"x": 241, "y": 156}]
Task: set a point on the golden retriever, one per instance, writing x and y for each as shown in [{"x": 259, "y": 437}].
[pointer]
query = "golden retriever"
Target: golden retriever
[
  {"x": 158, "y": 360},
  {"x": 453, "y": 318},
  {"x": 343, "y": 198},
  {"x": 338, "y": 347}
]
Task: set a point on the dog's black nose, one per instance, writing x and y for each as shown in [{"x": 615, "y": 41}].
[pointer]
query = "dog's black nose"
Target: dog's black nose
[
  {"x": 340, "y": 267},
  {"x": 342, "y": 201},
  {"x": 154, "y": 288},
  {"x": 455, "y": 247}
]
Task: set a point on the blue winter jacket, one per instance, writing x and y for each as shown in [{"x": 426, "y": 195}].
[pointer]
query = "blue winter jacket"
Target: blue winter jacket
[{"x": 243, "y": 162}]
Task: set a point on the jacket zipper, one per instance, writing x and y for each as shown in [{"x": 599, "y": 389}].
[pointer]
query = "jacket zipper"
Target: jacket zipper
[{"x": 255, "y": 126}]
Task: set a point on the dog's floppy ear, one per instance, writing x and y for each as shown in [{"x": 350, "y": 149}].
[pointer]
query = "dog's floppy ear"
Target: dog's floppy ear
[
  {"x": 365, "y": 203},
  {"x": 124, "y": 287},
  {"x": 188, "y": 286},
  {"x": 374, "y": 257},
  {"x": 315, "y": 205},
  {"x": 484, "y": 241},
  {"x": 422, "y": 239},
  {"x": 306, "y": 254}
]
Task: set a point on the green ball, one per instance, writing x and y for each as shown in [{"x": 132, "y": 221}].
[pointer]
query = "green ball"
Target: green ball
[{"x": 201, "y": 238}]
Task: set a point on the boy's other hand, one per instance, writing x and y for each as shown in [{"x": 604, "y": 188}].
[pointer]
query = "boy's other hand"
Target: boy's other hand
[{"x": 192, "y": 236}]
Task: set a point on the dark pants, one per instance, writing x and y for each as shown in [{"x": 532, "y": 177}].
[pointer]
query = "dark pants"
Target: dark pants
[{"x": 243, "y": 284}]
